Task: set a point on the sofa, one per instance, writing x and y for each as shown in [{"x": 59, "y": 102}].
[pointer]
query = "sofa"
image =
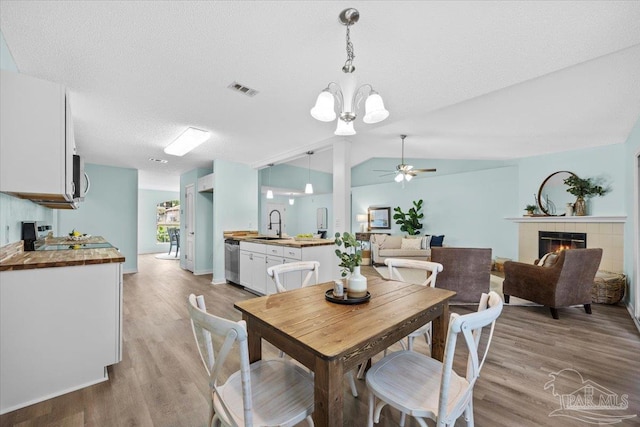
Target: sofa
[{"x": 385, "y": 246}]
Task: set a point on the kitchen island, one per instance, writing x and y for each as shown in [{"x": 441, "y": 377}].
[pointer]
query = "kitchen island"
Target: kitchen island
[
  {"x": 257, "y": 253},
  {"x": 60, "y": 319}
]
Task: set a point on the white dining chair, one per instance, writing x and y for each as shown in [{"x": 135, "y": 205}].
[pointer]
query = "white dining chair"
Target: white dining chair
[
  {"x": 431, "y": 270},
  {"x": 422, "y": 387},
  {"x": 272, "y": 392},
  {"x": 276, "y": 272},
  {"x": 312, "y": 268}
]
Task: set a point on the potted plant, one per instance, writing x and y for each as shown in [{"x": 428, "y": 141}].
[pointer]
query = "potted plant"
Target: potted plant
[
  {"x": 350, "y": 261},
  {"x": 410, "y": 222},
  {"x": 530, "y": 209},
  {"x": 582, "y": 188}
]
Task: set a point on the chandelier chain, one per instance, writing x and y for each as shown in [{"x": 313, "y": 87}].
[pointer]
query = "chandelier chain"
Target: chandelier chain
[{"x": 350, "y": 54}]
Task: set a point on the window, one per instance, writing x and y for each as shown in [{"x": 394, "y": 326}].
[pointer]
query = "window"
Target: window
[{"x": 167, "y": 216}]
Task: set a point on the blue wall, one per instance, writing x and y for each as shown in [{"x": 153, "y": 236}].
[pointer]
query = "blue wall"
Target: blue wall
[
  {"x": 235, "y": 206},
  {"x": 110, "y": 210},
  {"x": 468, "y": 208},
  {"x": 148, "y": 200},
  {"x": 605, "y": 162}
]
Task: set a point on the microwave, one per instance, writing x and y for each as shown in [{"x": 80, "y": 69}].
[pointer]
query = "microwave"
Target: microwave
[{"x": 81, "y": 181}]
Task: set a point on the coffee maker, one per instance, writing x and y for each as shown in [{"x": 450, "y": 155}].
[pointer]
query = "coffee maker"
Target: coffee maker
[{"x": 29, "y": 235}]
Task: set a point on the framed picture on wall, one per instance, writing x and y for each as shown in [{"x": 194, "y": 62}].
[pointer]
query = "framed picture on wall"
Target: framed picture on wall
[{"x": 380, "y": 218}]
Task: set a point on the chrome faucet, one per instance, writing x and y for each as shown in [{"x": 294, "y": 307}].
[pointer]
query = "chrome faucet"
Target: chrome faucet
[{"x": 279, "y": 222}]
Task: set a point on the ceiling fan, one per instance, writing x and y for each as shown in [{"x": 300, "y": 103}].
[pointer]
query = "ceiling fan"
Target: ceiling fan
[{"x": 403, "y": 171}]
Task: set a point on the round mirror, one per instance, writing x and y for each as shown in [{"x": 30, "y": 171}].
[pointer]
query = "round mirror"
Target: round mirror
[{"x": 553, "y": 195}]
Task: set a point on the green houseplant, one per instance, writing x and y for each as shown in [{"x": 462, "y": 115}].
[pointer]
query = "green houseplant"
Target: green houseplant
[
  {"x": 410, "y": 221},
  {"x": 350, "y": 260},
  {"x": 530, "y": 209},
  {"x": 582, "y": 188}
]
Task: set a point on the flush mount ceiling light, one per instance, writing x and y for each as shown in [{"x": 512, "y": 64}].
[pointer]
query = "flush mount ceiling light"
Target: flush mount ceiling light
[
  {"x": 348, "y": 99},
  {"x": 187, "y": 141},
  {"x": 308, "y": 189},
  {"x": 269, "y": 191}
]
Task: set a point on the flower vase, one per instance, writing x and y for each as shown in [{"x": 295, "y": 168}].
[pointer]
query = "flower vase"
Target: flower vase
[
  {"x": 580, "y": 207},
  {"x": 357, "y": 284}
]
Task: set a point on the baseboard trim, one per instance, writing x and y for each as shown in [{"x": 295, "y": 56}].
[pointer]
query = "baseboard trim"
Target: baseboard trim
[
  {"x": 202, "y": 272},
  {"x": 630, "y": 309}
]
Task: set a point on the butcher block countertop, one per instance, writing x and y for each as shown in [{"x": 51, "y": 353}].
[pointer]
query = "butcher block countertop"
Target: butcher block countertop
[
  {"x": 290, "y": 242},
  {"x": 13, "y": 257}
]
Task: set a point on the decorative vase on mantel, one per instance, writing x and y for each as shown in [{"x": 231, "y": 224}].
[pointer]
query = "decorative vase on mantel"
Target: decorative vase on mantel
[
  {"x": 568, "y": 210},
  {"x": 580, "y": 207},
  {"x": 356, "y": 284}
]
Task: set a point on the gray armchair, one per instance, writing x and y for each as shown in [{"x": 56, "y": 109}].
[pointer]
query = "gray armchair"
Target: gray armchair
[
  {"x": 467, "y": 271},
  {"x": 568, "y": 281}
]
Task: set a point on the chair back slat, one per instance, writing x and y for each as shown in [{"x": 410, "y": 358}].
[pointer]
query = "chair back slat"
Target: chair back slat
[
  {"x": 276, "y": 272},
  {"x": 433, "y": 268},
  {"x": 471, "y": 326},
  {"x": 206, "y": 326}
]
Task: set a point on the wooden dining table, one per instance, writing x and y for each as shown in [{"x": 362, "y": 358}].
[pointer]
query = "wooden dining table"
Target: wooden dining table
[{"x": 331, "y": 339}]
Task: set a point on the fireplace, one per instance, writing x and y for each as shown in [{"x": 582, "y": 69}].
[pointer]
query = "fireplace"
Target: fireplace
[{"x": 552, "y": 241}]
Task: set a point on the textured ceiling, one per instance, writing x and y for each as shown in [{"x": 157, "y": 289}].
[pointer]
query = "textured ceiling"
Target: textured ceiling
[{"x": 475, "y": 80}]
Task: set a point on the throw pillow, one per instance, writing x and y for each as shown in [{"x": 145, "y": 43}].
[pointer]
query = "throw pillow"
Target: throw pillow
[
  {"x": 411, "y": 243},
  {"x": 426, "y": 242},
  {"x": 437, "y": 240},
  {"x": 548, "y": 260},
  {"x": 541, "y": 261}
]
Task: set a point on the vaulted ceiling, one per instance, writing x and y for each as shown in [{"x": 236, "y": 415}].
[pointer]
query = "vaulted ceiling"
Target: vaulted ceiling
[{"x": 472, "y": 80}]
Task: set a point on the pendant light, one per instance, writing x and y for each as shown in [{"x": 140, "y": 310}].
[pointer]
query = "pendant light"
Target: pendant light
[
  {"x": 269, "y": 191},
  {"x": 291, "y": 199},
  {"x": 308, "y": 189}
]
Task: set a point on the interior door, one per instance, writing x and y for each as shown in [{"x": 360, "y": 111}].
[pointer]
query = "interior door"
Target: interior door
[{"x": 190, "y": 227}]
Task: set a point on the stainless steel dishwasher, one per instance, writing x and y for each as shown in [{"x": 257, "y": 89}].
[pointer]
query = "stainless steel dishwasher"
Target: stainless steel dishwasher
[{"x": 232, "y": 260}]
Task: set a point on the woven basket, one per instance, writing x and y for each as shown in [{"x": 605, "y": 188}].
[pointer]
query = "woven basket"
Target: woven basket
[{"x": 608, "y": 288}]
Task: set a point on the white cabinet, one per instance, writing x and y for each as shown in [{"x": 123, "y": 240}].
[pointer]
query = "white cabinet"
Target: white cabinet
[
  {"x": 36, "y": 140},
  {"x": 59, "y": 330},
  {"x": 255, "y": 258},
  {"x": 253, "y": 267},
  {"x": 205, "y": 183}
]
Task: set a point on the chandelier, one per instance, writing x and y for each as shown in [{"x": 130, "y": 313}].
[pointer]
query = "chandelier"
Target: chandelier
[{"x": 347, "y": 98}]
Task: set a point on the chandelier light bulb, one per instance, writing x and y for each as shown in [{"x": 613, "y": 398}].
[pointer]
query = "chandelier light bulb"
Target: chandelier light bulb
[
  {"x": 324, "y": 108},
  {"x": 345, "y": 128},
  {"x": 399, "y": 177},
  {"x": 374, "y": 109},
  {"x": 408, "y": 177}
]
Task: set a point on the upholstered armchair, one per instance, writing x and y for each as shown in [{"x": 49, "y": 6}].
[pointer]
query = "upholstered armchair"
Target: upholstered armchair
[
  {"x": 565, "y": 282},
  {"x": 467, "y": 271}
]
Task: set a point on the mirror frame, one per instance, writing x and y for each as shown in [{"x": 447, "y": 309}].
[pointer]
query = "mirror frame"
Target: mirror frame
[
  {"x": 379, "y": 214},
  {"x": 540, "y": 204}
]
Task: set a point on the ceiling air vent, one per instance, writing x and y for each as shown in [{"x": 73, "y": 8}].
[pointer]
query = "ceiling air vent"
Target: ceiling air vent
[{"x": 242, "y": 89}]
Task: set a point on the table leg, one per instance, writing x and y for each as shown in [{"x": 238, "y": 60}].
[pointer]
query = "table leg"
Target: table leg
[
  {"x": 328, "y": 389},
  {"x": 440, "y": 330},
  {"x": 254, "y": 341}
]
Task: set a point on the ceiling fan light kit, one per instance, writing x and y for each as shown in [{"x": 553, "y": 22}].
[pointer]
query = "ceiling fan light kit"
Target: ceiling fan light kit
[
  {"x": 403, "y": 171},
  {"x": 346, "y": 98}
]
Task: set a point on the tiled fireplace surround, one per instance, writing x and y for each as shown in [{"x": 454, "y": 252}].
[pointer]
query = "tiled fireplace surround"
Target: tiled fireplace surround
[{"x": 602, "y": 232}]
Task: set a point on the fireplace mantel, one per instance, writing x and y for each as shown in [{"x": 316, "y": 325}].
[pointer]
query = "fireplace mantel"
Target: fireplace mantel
[{"x": 586, "y": 218}]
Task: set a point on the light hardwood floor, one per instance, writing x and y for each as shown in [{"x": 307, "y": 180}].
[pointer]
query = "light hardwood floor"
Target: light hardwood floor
[{"x": 161, "y": 381}]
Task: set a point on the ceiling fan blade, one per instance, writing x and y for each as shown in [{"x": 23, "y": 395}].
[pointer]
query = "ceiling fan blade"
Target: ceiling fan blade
[
  {"x": 424, "y": 170},
  {"x": 387, "y": 174},
  {"x": 382, "y": 170}
]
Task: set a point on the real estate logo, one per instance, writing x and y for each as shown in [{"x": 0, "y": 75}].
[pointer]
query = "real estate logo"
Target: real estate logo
[{"x": 586, "y": 400}]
